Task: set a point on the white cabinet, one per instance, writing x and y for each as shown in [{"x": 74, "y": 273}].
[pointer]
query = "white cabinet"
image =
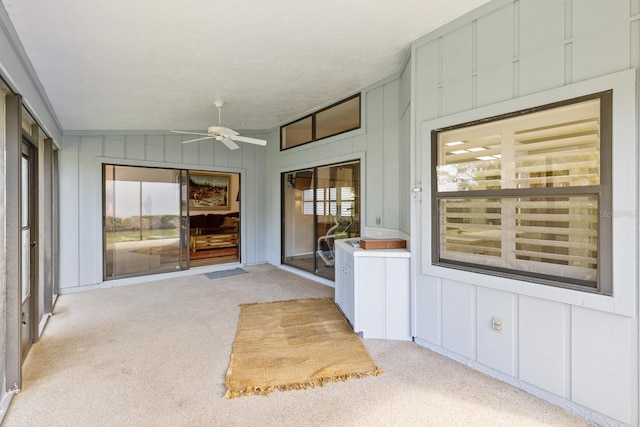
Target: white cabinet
[
  {"x": 373, "y": 290},
  {"x": 344, "y": 284}
]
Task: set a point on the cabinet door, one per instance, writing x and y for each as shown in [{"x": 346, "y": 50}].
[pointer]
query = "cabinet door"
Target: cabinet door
[
  {"x": 348, "y": 293},
  {"x": 398, "y": 299},
  {"x": 370, "y": 294},
  {"x": 339, "y": 280},
  {"x": 344, "y": 283}
]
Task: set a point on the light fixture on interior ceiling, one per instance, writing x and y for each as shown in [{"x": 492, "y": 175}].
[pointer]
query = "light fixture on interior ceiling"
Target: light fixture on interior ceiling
[{"x": 222, "y": 134}]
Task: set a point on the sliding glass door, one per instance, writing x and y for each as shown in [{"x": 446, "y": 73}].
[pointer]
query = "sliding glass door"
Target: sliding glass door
[
  {"x": 160, "y": 220},
  {"x": 319, "y": 205},
  {"x": 142, "y": 232}
]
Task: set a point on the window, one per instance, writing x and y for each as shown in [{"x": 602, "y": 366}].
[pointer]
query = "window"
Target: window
[
  {"x": 333, "y": 120},
  {"x": 521, "y": 195},
  {"x": 327, "y": 201}
]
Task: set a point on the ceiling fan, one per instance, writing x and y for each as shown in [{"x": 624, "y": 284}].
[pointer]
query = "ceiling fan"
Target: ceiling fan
[{"x": 222, "y": 134}]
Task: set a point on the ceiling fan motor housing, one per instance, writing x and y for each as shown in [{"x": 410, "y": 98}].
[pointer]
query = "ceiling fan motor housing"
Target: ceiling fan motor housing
[{"x": 221, "y": 130}]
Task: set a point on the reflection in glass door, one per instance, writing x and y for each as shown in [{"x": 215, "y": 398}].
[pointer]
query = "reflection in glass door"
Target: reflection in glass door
[
  {"x": 29, "y": 243},
  {"x": 142, "y": 227},
  {"x": 319, "y": 205}
]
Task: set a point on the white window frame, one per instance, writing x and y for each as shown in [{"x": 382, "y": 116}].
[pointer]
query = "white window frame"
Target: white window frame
[{"x": 623, "y": 300}]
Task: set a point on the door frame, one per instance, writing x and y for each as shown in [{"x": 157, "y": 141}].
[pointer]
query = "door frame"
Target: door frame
[
  {"x": 13, "y": 150},
  {"x": 30, "y": 151},
  {"x": 182, "y": 172},
  {"x": 287, "y": 177}
]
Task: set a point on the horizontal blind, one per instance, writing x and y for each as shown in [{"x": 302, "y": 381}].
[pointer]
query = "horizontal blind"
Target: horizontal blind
[
  {"x": 558, "y": 234},
  {"x": 560, "y": 231},
  {"x": 557, "y": 157},
  {"x": 471, "y": 226}
]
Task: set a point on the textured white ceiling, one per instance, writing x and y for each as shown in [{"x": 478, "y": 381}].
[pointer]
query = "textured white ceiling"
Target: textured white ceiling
[{"x": 134, "y": 64}]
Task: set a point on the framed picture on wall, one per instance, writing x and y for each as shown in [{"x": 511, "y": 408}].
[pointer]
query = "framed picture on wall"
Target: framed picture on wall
[{"x": 209, "y": 191}]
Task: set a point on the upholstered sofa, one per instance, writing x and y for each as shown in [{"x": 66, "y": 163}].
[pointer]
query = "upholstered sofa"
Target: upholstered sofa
[{"x": 213, "y": 231}]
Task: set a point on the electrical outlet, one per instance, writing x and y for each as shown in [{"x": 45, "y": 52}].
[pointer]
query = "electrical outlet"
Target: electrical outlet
[
  {"x": 496, "y": 324},
  {"x": 378, "y": 220}
]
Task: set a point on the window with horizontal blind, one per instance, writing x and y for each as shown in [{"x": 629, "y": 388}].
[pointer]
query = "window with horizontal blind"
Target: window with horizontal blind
[
  {"x": 327, "y": 201},
  {"x": 520, "y": 195}
]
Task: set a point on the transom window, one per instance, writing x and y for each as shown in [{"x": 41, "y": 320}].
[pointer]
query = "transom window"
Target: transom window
[
  {"x": 521, "y": 195},
  {"x": 338, "y": 118}
]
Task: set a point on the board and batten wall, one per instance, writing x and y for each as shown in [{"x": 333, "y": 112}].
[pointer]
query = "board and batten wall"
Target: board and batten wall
[
  {"x": 565, "y": 350},
  {"x": 80, "y": 166},
  {"x": 376, "y": 144}
]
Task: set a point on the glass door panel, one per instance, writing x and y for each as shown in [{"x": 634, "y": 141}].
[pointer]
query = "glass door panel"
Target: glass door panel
[
  {"x": 298, "y": 219},
  {"x": 319, "y": 206},
  {"x": 142, "y": 221},
  {"x": 28, "y": 247},
  {"x": 26, "y": 230},
  {"x": 183, "y": 181},
  {"x": 213, "y": 206},
  {"x": 337, "y": 212}
]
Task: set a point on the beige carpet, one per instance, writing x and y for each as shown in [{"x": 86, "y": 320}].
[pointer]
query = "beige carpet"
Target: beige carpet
[
  {"x": 293, "y": 345},
  {"x": 156, "y": 354}
]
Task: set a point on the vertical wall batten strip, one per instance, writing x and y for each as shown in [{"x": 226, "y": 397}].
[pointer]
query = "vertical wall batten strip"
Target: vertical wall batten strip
[
  {"x": 440, "y": 74},
  {"x": 568, "y": 20},
  {"x": 440, "y": 315},
  {"x": 635, "y": 47},
  {"x": 474, "y": 63},
  {"x": 635, "y": 63},
  {"x": 516, "y": 29},
  {"x": 516, "y": 49},
  {"x": 567, "y": 350},
  {"x": 515, "y": 353},
  {"x": 568, "y": 42},
  {"x": 635, "y": 9},
  {"x": 79, "y": 197},
  {"x": 164, "y": 148}
]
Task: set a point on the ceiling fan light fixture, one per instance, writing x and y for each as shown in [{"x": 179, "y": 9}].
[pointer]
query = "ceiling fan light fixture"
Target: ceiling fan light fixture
[{"x": 223, "y": 134}]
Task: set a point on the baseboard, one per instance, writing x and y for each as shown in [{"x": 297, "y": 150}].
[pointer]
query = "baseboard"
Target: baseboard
[
  {"x": 564, "y": 403},
  {"x": 4, "y": 405},
  {"x": 43, "y": 323},
  {"x": 307, "y": 275},
  {"x": 151, "y": 277}
]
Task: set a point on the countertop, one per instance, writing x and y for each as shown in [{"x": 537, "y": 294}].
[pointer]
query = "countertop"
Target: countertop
[{"x": 352, "y": 246}]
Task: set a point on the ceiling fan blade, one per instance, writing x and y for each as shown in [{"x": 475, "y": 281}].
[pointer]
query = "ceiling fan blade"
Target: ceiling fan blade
[
  {"x": 198, "y": 139},
  {"x": 249, "y": 140},
  {"x": 189, "y": 133},
  {"x": 229, "y": 143}
]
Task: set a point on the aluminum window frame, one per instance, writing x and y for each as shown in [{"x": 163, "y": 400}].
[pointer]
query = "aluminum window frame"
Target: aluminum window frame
[
  {"x": 313, "y": 116},
  {"x": 603, "y": 284}
]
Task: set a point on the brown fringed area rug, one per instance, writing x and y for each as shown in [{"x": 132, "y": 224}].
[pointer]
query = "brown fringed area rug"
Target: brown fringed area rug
[{"x": 292, "y": 345}]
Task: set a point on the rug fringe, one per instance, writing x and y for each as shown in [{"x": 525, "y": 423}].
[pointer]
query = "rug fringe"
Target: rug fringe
[{"x": 316, "y": 382}]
